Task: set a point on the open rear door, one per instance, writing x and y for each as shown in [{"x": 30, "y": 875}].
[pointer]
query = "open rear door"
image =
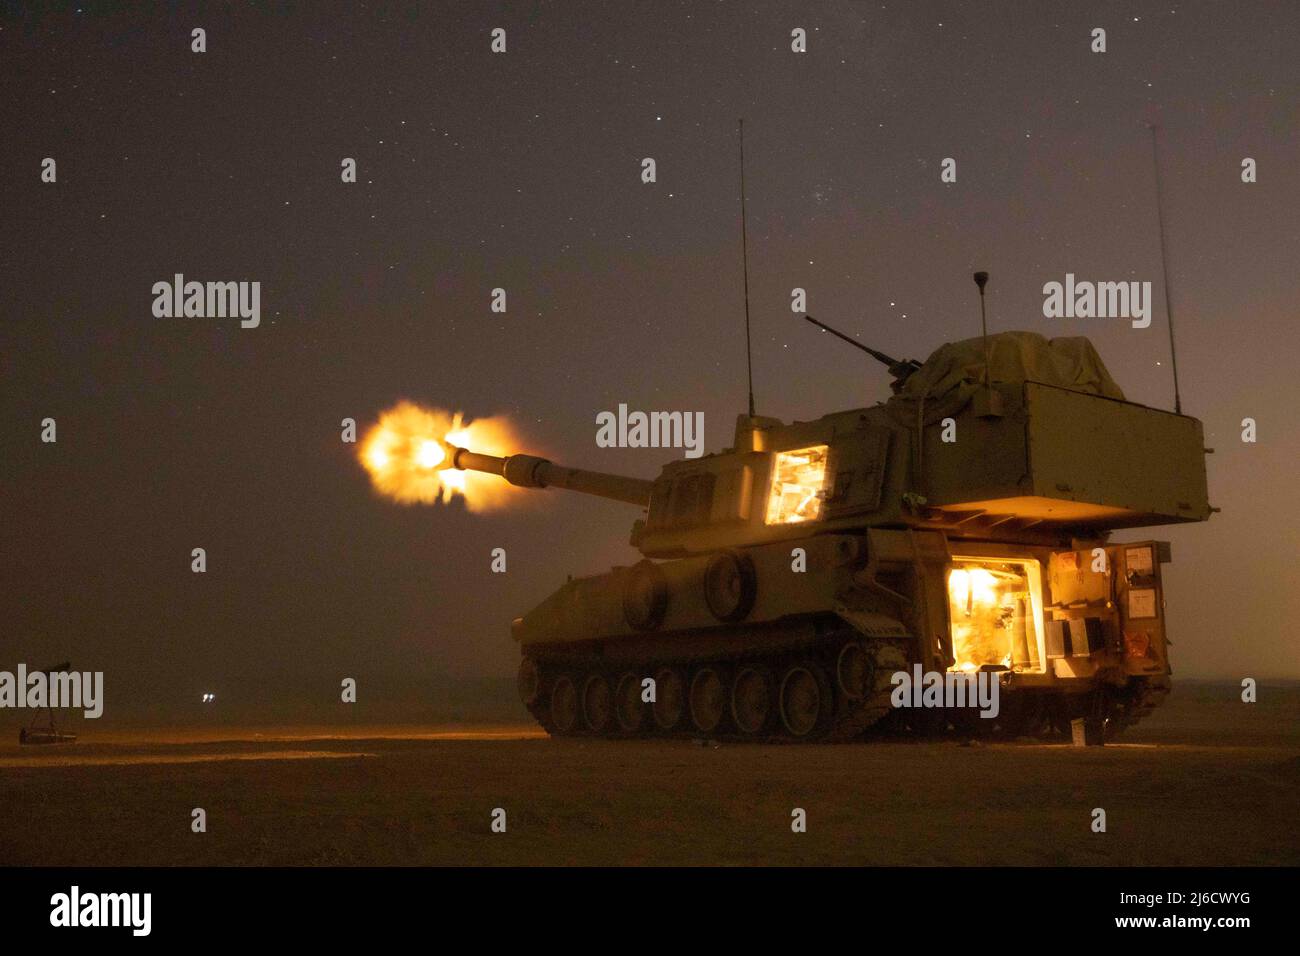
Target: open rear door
[
  {"x": 1106, "y": 610},
  {"x": 1141, "y": 600}
]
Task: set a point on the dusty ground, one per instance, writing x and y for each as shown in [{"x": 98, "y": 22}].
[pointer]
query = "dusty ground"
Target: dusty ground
[{"x": 1207, "y": 780}]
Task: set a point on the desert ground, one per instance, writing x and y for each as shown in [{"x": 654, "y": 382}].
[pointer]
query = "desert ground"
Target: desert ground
[{"x": 1206, "y": 780}]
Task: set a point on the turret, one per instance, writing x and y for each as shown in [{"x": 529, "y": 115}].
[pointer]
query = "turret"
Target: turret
[{"x": 1058, "y": 454}]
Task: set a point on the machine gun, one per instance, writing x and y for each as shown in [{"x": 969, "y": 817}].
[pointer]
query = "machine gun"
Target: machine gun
[{"x": 899, "y": 370}]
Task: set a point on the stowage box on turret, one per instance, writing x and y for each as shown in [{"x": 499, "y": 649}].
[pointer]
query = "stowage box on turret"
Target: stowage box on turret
[{"x": 961, "y": 526}]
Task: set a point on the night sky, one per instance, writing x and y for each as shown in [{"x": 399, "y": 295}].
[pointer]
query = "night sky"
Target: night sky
[{"x": 522, "y": 170}]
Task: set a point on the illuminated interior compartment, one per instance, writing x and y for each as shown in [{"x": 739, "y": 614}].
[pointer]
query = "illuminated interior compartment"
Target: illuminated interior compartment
[
  {"x": 995, "y": 606},
  {"x": 798, "y": 477}
]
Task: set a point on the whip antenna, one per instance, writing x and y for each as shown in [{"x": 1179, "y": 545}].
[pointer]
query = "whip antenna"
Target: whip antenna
[
  {"x": 981, "y": 280},
  {"x": 744, "y": 252},
  {"x": 1164, "y": 266}
]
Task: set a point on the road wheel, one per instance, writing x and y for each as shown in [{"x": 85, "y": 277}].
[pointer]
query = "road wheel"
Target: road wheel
[
  {"x": 597, "y": 704},
  {"x": 854, "y": 671},
  {"x": 730, "y": 585},
  {"x": 708, "y": 700},
  {"x": 751, "y": 700},
  {"x": 629, "y": 711},
  {"x": 564, "y": 705},
  {"x": 529, "y": 682},
  {"x": 645, "y": 596},
  {"x": 805, "y": 701},
  {"x": 670, "y": 698}
]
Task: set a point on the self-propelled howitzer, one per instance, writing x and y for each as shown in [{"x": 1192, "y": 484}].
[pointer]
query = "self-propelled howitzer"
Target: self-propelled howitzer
[{"x": 963, "y": 526}]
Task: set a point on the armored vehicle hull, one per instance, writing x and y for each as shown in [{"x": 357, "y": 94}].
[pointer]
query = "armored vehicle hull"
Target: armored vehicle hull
[
  {"x": 885, "y": 568},
  {"x": 813, "y": 654}
]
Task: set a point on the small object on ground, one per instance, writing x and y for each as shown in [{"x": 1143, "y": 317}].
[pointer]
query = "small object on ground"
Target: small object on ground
[
  {"x": 1087, "y": 732},
  {"x": 45, "y": 733}
]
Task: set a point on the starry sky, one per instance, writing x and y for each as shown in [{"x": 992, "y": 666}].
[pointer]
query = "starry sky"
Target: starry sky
[{"x": 522, "y": 171}]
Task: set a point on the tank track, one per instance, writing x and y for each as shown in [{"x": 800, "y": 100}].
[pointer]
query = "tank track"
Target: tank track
[
  {"x": 1144, "y": 696},
  {"x": 1037, "y": 714},
  {"x": 849, "y": 698},
  {"x": 841, "y": 716}
]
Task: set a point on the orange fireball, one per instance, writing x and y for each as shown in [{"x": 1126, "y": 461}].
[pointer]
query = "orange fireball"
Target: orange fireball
[{"x": 406, "y": 454}]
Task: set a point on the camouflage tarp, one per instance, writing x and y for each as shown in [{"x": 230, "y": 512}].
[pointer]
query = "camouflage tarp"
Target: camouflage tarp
[{"x": 944, "y": 384}]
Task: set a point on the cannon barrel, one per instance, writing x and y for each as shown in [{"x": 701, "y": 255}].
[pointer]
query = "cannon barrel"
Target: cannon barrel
[{"x": 529, "y": 471}]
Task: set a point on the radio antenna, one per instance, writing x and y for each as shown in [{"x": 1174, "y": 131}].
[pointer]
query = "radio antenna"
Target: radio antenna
[
  {"x": 1164, "y": 266},
  {"x": 981, "y": 280},
  {"x": 744, "y": 251}
]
